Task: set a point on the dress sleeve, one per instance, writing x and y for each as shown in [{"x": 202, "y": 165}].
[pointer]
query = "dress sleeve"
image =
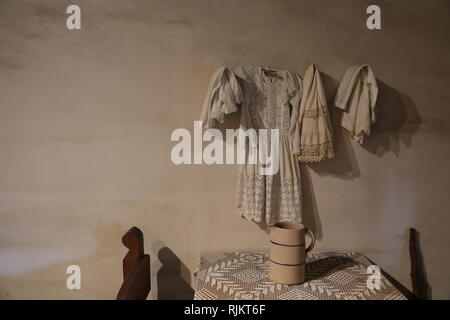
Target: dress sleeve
[
  {"x": 313, "y": 136},
  {"x": 223, "y": 97}
]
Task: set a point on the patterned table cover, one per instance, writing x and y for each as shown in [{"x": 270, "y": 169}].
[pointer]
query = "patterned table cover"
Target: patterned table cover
[{"x": 329, "y": 276}]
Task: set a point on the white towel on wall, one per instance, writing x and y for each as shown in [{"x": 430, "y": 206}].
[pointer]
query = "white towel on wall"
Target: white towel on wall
[
  {"x": 313, "y": 129},
  {"x": 357, "y": 96},
  {"x": 224, "y": 96}
]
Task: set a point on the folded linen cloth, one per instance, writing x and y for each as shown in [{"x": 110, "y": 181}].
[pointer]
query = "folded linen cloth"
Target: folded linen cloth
[
  {"x": 357, "y": 96},
  {"x": 223, "y": 97},
  {"x": 313, "y": 137}
]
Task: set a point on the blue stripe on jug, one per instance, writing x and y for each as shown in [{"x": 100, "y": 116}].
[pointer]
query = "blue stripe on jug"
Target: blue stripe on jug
[
  {"x": 287, "y": 245},
  {"x": 286, "y": 264}
]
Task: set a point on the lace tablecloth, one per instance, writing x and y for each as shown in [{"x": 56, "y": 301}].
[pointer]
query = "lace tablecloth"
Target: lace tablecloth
[{"x": 329, "y": 276}]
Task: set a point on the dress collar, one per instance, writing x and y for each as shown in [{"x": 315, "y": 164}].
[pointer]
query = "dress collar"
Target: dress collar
[{"x": 262, "y": 72}]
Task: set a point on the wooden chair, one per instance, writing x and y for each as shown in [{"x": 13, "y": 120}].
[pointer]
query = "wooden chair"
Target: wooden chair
[{"x": 136, "y": 268}]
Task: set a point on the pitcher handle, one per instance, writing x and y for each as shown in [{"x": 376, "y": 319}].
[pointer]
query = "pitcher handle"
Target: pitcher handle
[{"x": 313, "y": 240}]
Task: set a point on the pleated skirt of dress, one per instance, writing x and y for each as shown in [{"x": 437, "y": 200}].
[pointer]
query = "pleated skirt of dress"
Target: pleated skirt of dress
[{"x": 268, "y": 199}]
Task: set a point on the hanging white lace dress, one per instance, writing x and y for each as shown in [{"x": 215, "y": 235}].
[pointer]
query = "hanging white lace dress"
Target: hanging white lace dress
[{"x": 271, "y": 99}]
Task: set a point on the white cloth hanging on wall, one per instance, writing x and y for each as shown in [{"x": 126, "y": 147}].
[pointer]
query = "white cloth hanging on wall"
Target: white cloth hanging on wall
[
  {"x": 223, "y": 97},
  {"x": 314, "y": 126},
  {"x": 357, "y": 96}
]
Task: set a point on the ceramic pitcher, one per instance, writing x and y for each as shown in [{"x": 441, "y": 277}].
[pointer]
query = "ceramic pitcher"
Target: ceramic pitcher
[{"x": 287, "y": 255}]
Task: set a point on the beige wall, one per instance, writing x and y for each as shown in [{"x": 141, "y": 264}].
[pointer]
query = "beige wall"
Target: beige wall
[{"x": 86, "y": 118}]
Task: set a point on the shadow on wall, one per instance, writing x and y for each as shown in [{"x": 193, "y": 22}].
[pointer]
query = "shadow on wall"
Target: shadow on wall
[
  {"x": 311, "y": 217},
  {"x": 170, "y": 274},
  {"x": 398, "y": 121}
]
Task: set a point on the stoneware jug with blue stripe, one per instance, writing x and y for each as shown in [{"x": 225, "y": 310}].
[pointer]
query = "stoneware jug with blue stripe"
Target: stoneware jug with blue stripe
[{"x": 287, "y": 257}]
